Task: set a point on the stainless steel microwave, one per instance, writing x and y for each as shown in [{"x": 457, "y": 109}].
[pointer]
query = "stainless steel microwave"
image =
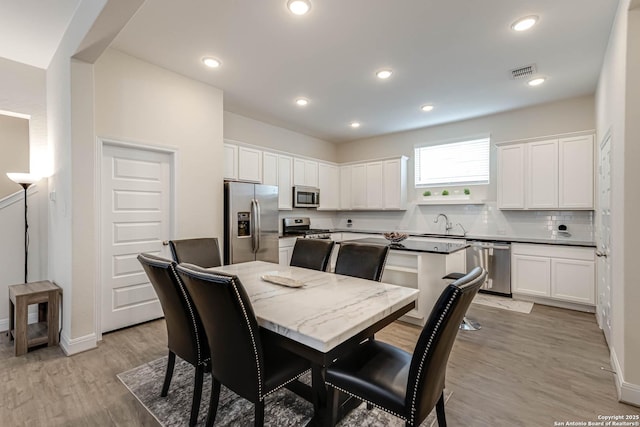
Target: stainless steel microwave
[{"x": 306, "y": 197}]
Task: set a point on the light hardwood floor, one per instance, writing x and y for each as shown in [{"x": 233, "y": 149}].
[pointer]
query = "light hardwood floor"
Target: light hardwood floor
[{"x": 518, "y": 370}]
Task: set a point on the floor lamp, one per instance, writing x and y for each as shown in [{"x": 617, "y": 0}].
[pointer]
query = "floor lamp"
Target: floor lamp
[{"x": 25, "y": 180}]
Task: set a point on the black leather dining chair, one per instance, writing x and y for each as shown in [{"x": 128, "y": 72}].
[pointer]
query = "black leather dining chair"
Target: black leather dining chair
[
  {"x": 185, "y": 332},
  {"x": 246, "y": 361},
  {"x": 204, "y": 251},
  {"x": 362, "y": 260},
  {"x": 405, "y": 385},
  {"x": 312, "y": 253}
]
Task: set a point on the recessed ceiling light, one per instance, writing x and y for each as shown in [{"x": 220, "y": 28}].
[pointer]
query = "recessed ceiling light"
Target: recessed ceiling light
[
  {"x": 536, "y": 82},
  {"x": 299, "y": 7},
  {"x": 384, "y": 74},
  {"x": 211, "y": 62},
  {"x": 355, "y": 125},
  {"x": 523, "y": 24},
  {"x": 426, "y": 108},
  {"x": 302, "y": 102}
]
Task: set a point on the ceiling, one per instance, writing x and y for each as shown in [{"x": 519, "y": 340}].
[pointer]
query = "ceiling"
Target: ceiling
[
  {"x": 455, "y": 54},
  {"x": 31, "y": 30}
]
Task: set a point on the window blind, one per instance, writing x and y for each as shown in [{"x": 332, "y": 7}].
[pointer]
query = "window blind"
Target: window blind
[{"x": 457, "y": 163}]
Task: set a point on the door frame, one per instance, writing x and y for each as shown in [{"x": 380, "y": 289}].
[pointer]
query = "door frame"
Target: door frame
[
  {"x": 607, "y": 138},
  {"x": 101, "y": 142}
]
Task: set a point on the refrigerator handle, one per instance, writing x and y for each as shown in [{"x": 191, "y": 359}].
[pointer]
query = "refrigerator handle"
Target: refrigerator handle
[
  {"x": 254, "y": 226},
  {"x": 258, "y": 222}
]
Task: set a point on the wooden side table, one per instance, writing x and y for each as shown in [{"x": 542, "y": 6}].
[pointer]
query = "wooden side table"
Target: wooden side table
[{"x": 47, "y": 295}]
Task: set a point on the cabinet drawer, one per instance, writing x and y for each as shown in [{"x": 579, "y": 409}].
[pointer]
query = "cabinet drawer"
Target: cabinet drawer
[{"x": 554, "y": 251}]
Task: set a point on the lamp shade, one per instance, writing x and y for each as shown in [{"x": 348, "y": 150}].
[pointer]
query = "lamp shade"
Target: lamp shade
[{"x": 23, "y": 178}]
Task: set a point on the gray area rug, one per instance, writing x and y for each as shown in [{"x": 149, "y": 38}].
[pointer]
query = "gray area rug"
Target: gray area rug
[{"x": 282, "y": 408}]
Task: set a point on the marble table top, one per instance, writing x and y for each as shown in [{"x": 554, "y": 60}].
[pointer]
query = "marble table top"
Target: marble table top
[{"x": 328, "y": 310}]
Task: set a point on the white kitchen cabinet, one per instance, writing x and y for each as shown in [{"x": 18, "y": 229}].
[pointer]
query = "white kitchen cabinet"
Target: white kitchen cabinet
[
  {"x": 542, "y": 174},
  {"x": 276, "y": 170},
  {"x": 285, "y": 245},
  {"x": 285, "y": 182},
  {"x": 329, "y": 185},
  {"x": 554, "y": 273},
  {"x": 576, "y": 170},
  {"x": 249, "y": 164},
  {"x": 375, "y": 181},
  {"x": 359, "y": 186},
  {"x": 549, "y": 174},
  {"x": 230, "y": 162},
  {"x": 345, "y": 187},
  {"x": 511, "y": 176},
  {"x": 305, "y": 172},
  {"x": 269, "y": 168},
  {"x": 395, "y": 183}
]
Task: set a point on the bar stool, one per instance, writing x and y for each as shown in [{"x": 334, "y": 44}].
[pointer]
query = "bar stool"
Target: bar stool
[{"x": 466, "y": 324}]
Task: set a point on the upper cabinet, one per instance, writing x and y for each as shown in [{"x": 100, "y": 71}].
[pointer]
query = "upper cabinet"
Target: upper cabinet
[
  {"x": 549, "y": 174},
  {"x": 278, "y": 170},
  {"x": 329, "y": 185},
  {"x": 305, "y": 172},
  {"x": 379, "y": 185},
  {"x": 230, "y": 162},
  {"x": 242, "y": 163}
]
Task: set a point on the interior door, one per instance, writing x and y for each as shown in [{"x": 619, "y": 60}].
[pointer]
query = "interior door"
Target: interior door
[
  {"x": 136, "y": 217},
  {"x": 603, "y": 238}
]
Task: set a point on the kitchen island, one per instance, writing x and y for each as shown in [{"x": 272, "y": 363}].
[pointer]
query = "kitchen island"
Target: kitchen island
[{"x": 419, "y": 264}]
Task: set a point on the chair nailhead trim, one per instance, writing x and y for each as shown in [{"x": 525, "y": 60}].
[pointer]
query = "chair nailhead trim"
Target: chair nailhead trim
[
  {"x": 424, "y": 355},
  {"x": 193, "y": 317},
  {"x": 402, "y": 417},
  {"x": 285, "y": 383}
]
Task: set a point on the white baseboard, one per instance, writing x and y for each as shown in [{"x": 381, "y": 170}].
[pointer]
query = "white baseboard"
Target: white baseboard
[
  {"x": 32, "y": 318},
  {"x": 627, "y": 392},
  {"x": 72, "y": 346}
]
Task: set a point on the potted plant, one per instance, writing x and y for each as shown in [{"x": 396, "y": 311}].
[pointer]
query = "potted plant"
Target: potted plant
[
  {"x": 445, "y": 192},
  {"x": 467, "y": 191},
  {"x": 426, "y": 193}
]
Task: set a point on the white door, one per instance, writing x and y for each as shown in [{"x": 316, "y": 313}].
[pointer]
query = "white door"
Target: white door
[
  {"x": 603, "y": 238},
  {"x": 136, "y": 216}
]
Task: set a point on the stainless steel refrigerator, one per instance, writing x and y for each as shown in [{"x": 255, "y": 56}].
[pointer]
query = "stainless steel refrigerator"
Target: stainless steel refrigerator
[{"x": 250, "y": 222}]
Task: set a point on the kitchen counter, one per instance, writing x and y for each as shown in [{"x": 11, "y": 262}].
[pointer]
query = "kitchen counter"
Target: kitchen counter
[
  {"x": 566, "y": 241},
  {"x": 414, "y": 246}
]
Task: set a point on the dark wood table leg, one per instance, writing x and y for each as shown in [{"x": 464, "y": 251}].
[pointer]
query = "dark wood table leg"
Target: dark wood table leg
[{"x": 321, "y": 416}]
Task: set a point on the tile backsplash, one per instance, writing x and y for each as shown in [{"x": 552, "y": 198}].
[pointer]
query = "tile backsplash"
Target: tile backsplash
[{"x": 479, "y": 220}]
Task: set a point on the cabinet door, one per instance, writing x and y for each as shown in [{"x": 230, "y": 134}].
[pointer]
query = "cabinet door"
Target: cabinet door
[
  {"x": 359, "y": 186},
  {"x": 575, "y": 156},
  {"x": 270, "y": 168},
  {"x": 329, "y": 185},
  {"x": 249, "y": 164},
  {"x": 573, "y": 280},
  {"x": 542, "y": 184},
  {"x": 531, "y": 275},
  {"x": 230, "y": 161},
  {"x": 511, "y": 172},
  {"x": 345, "y": 187},
  {"x": 311, "y": 173},
  {"x": 298, "y": 172},
  {"x": 374, "y": 185},
  {"x": 285, "y": 186},
  {"x": 395, "y": 184}
]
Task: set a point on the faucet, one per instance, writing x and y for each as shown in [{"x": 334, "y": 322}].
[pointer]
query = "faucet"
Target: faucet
[
  {"x": 447, "y": 224},
  {"x": 464, "y": 232}
]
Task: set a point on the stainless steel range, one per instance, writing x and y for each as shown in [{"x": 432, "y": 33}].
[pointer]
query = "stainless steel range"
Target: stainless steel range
[{"x": 301, "y": 227}]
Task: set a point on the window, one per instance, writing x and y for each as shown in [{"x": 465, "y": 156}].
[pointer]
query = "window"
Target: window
[{"x": 457, "y": 163}]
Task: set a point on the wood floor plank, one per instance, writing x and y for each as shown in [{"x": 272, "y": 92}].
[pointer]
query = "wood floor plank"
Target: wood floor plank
[{"x": 518, "y": 370}]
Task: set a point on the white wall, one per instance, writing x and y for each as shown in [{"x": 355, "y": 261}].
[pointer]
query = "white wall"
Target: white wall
[
  {"x": 617, "y": 112},
  {"x": 243, "y": 129},
  {"x": 14, "y": 146}
]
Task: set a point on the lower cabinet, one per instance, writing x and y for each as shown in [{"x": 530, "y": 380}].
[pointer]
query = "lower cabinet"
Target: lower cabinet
[
  {"x": 554, "y": 273},
  {"x": 285, "y": 245}
]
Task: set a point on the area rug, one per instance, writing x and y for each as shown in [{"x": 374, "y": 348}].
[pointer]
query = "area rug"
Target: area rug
[
  {"x": 282, "y": 408},
  {"x": 503, "y": 303}
]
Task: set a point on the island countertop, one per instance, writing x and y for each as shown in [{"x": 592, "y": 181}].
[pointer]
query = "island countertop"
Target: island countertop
[{"x": 413, "y": 245}]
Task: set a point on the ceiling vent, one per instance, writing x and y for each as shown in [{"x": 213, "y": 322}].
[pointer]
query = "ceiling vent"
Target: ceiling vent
[{"x": 522, "y": 72}]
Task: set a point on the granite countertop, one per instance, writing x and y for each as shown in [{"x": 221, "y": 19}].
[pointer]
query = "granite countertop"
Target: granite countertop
[
  {"x": 414, "y": 246},
  {"x": 557, "y": 240}
]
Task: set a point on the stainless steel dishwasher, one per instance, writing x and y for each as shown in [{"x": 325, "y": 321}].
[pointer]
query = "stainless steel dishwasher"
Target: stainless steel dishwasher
[{"x": 495, "y": 257}]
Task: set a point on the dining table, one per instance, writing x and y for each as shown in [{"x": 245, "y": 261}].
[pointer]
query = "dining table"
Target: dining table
[{"x": 319, "y": 316}]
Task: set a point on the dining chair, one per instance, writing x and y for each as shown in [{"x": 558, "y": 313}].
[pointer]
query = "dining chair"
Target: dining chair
[
  {"x": 312, "y": 253},
  {"x": 246, "y": 361},
  {"x": 204, "y": 252},
  {"x": 185, "y": 332},
  {"x": 361, "y": 260},
  {"x": 467, "y": 323},
  {"x": 405, "y": 385}
]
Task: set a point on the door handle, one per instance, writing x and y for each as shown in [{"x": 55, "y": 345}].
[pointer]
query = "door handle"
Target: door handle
[
  {"x": 601, "y": 254},
  {"x": 258, "y": 223},
  {"x": 165, "y": 243},
  {"x": 254, "y": 216}
]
